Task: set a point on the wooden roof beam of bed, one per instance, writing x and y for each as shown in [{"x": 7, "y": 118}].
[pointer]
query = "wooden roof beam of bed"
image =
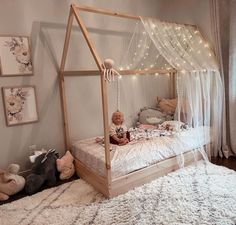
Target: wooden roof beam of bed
[
  {"x": 121, "y": 72},
  {"x": 118, "y": 14}
]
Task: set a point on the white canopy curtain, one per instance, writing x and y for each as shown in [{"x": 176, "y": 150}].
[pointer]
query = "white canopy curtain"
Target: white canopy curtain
[
  {"x": 199, "y": 85},
  {"x": 142, "y": 53},
  {"x": 224, "y": 35}
]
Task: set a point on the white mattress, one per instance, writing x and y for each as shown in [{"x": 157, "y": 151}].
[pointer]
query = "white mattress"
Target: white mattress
[{"x": 139, "y": 154}]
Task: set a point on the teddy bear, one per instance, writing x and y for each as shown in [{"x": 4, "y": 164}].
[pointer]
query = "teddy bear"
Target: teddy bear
[
  {"x": 10, "y": 181},
  {"x": 167, "y": 105},
  {"x": 66, "y": 166},
  {"x": 151, "y": 116},
  {"x": 44, "y": 171}
]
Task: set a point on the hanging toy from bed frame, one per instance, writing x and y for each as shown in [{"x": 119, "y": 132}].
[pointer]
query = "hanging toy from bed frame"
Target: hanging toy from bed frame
[{"x": 109, "y": 72}]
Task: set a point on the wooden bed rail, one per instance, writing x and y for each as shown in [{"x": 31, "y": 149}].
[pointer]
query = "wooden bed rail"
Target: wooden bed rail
[
  {"x": 118, "y": 14},
  {"x": 106, "y": 12},
  {"x": 121, "y": 72}
]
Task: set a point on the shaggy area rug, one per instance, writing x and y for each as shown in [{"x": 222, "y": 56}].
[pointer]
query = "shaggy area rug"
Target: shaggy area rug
[{"x": 198, "y": 194}]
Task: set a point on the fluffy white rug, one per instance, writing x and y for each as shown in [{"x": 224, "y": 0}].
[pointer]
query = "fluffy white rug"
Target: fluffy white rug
[{"x": 199, "y": 194}]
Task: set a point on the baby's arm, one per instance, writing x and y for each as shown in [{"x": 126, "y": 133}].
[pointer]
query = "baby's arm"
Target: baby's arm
[
  {"x": 115, "y": 137},
  {"x": 125, "y": 139}
]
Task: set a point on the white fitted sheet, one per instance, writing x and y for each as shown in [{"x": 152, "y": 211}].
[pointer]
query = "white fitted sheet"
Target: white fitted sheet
[{"x": 139, "y": 154}]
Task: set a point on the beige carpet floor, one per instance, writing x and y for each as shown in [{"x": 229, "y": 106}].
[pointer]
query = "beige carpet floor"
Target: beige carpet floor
[{"x": 200, "y": 194}]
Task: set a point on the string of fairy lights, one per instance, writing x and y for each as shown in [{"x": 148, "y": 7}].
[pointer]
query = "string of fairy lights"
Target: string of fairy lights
[{"x": 176, "y": 46}]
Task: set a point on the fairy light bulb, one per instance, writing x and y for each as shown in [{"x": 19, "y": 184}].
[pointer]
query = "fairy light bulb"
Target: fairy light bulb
[
  {"x": 156, "y": 74},
  {"x": 153, "y": 26},
  {"x": 120, "y": 77}
]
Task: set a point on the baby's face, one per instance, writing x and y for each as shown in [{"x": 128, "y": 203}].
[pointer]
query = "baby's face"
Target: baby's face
[{"x": 117, "y": 118}]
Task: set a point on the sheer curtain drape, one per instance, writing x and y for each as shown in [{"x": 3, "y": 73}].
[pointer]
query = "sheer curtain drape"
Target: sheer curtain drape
[
  {"x": 232, "y": 77},
  {"x": 224, "y": 33},
  {"x": 199, "y": 85}
]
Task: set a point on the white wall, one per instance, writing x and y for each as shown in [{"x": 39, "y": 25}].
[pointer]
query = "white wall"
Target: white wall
[
  {"x": 187, "y": 11},
  {"x": 45, "y": 22}
]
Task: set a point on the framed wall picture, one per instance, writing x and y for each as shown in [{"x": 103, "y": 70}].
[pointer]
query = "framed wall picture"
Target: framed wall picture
[
  {"x": 20, "y": 105},
  {"x": 15, "y": 56}
]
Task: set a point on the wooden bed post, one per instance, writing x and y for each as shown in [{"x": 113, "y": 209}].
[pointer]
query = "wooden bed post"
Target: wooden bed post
[
  {"x": 103, "y": 92},
  {"x": 173, "y": 83},
  {"x": 62, "y": 82}
]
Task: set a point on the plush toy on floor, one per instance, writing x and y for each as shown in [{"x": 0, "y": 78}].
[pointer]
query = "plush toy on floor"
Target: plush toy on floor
[
  {"x": 10, "y": 182},
  {"x": 44, "y": 171},
  {"x": 66, "y": 166}
]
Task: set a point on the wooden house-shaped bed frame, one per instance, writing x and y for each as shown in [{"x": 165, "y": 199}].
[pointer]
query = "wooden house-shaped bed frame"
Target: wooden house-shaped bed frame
[{"x": 106, "y": 185}]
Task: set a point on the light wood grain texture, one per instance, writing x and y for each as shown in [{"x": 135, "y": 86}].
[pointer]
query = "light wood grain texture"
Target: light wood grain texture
[
  {"x": 62, "y": 82},
  {"x": 118, "y": 14},
  {"x": 140, "y": 177},
  {"x": 99, "y": 182},
  {"x": 121, "y": 72}
]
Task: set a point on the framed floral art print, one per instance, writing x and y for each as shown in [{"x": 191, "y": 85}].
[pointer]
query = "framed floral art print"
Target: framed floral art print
[
  {"x": 20, "y": 105},
  {"x": 15, "y": 56}
]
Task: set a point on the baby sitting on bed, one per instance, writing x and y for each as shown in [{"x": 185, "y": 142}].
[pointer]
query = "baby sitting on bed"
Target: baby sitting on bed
[{"x": 118, "y": 133}]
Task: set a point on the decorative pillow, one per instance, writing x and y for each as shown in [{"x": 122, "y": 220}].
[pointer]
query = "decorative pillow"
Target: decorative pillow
[
  {"x": 150, "y": 116},
  {"x": 167, "y": 105}
]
